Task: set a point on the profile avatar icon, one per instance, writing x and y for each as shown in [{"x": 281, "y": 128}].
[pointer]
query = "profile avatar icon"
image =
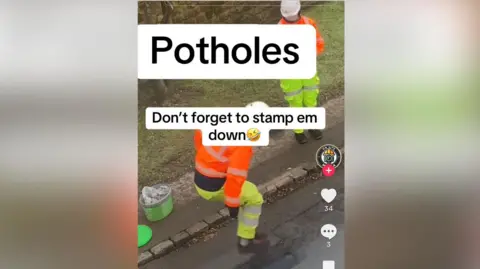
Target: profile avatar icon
[{"x": 328, "y": 154}]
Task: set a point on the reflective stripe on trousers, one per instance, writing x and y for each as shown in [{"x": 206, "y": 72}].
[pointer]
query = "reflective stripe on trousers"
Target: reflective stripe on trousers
[
  {"x": 301, "y": 93},
  {"x": 248, "y": 220},
  {"x": 250, "y": 211},
  {"x": 298, "y": 92},
  {"x": 250, "y": 215}
]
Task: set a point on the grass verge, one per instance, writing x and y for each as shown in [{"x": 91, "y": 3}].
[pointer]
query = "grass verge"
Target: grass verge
[{"x": 163, "y": 156}]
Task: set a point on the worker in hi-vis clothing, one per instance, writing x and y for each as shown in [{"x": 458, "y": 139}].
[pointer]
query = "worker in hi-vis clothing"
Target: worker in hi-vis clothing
[
  {"x": 301, "y": 92},
  {"x": 221, "y": 176}
]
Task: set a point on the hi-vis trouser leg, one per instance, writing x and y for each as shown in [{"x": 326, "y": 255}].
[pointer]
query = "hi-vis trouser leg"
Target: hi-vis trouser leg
[
  {"x": 301, "y": 92},
  {"x": 250, "y": 210}
]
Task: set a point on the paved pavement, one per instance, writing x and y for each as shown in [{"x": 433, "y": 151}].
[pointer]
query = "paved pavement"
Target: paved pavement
[
  {"x": 198, "y": 208},
  {"x": 293, "y": 224}
]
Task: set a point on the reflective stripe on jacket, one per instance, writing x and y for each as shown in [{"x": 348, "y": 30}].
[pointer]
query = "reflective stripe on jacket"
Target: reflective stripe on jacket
[
  {"x": 224, "y": 163},
  {"x": 307, "y": 20}
]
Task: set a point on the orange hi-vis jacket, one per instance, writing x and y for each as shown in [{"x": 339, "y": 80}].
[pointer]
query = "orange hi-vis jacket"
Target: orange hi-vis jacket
[
  {"x": 228, "y": 163},
  {"x": 307, "y": 20}
]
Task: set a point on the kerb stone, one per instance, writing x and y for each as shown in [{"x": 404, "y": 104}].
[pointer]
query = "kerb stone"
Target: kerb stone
[
  {"x": 214, "y": 219},
  {"x": 180, "y": 238},
  {"x": 162, "y": 248},
  {"x": 271, "y": 188},
  {"x": 197, "y": 228},
  {"x": 283, "y": 180},
  {"x": 297, "y": 173},
  {"x": 145, "y": 257}
]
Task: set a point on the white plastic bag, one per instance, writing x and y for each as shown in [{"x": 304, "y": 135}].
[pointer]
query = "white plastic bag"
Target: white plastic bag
[{"x": 153, "y": 195}]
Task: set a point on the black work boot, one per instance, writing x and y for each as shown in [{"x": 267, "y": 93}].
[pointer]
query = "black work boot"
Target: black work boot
[
  {"x": 301, "y": 138},
  {"x": 257, "y": 245},
  {"x": 316, "y": 134}
]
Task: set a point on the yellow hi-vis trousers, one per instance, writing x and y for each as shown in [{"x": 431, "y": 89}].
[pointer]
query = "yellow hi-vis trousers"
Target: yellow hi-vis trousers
[
  {"x": 251, "y": 201},
  {"x": 301, "y": 92}
]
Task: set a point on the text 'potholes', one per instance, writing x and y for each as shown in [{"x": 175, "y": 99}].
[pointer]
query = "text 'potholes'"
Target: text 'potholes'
[
  {"x": 233, "y": 51},
  {"x": 235, "y": 126}
]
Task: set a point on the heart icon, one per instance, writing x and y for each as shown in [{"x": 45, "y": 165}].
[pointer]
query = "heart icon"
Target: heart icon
[{"x": 328, "y": 195}]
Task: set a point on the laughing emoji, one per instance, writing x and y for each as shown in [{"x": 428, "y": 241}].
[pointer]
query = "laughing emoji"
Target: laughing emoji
[{"x": 253, "y": 134}]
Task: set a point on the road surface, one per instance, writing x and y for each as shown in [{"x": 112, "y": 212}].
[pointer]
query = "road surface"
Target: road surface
[
  {"x": 293, "y": 224},
  {"x": 185, "y": 215}
]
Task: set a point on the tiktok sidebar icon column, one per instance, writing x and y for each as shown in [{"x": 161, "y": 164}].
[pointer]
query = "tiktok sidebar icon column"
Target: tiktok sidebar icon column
[{"x": 329, "y": 158}]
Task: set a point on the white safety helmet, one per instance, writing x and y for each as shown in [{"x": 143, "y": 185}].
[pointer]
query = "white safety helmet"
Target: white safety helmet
[
  {"x": 257, "y": 104},
  {"x": 290, "y": 8}
]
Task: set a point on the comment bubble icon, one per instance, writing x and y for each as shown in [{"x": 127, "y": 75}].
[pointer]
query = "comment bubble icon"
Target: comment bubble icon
[{"x": 329, "y": 231}]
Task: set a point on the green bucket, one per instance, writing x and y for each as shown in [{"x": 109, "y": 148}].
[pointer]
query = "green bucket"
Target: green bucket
[{"x": 161, "y": 209}]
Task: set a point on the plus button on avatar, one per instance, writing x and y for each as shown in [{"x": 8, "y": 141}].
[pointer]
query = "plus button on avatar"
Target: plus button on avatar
[{"x": 328, "y": 170}]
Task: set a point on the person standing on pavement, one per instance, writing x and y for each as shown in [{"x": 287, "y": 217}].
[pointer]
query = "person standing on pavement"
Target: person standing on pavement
[
  {"x": 221, "y": 176},
  {"x": 301, "y": 92}
]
